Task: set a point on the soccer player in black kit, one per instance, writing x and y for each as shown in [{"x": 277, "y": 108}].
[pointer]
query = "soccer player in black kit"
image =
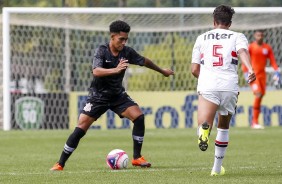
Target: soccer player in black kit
[{"x": 106, "y": 92}]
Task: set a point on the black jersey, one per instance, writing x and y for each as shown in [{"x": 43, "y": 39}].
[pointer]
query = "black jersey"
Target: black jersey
[{"x": 111, "y": 86}]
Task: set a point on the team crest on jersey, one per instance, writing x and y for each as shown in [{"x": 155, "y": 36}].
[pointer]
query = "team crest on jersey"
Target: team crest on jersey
[
  {"x": 264, "y": 51},
  {"x": 87, "y": 107}
]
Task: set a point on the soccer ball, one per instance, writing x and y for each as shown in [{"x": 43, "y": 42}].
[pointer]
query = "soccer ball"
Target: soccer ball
[{"x": 117, "y": 159}]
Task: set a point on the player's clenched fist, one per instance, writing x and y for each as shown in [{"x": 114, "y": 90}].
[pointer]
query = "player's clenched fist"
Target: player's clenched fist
[{"x": 167, "y": 72}]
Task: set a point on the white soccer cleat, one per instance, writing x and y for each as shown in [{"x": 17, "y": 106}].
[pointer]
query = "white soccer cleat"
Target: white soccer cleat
[{"x": 257, "y": 126}]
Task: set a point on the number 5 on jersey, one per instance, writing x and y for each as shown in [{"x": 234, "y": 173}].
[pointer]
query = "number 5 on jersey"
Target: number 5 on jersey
[{"x": 217, "y": 54}]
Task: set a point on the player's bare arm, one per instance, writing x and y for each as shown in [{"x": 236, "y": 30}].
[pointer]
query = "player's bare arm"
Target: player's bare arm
[
  {"x": 102, "y": 72},
  {"x": 195, "y": 69},
  {"x": 245, "y": 58},
  {"x": 149, "y": 64}
]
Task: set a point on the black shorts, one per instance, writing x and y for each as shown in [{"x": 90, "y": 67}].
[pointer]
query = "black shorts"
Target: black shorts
[{"x": 95, "y": 107}]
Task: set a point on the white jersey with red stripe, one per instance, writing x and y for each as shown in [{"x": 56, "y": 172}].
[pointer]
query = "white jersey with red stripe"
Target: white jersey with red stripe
[{"x": 216, "y": 52}]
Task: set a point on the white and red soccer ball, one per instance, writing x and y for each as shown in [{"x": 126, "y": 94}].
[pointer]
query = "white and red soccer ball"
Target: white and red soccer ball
[{"x": 117, "y": 159}]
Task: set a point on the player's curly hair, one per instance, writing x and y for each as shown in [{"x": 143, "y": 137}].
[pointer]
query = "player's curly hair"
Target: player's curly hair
[
  {"x": 119, "y": 26},
  {"x": 223, "y": 14}
]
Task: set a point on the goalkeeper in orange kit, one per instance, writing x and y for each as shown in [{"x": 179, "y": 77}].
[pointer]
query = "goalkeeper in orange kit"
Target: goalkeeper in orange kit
[{"x": 259, "y": 53}]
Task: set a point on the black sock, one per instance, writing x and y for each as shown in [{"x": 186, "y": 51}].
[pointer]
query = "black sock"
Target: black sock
[
  {"x": 138, "y": 135},
  {"x": 71, "y": 145}
]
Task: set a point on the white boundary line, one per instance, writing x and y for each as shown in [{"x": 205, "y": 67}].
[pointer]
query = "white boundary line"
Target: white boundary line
[{"x": 127, "y": 171}]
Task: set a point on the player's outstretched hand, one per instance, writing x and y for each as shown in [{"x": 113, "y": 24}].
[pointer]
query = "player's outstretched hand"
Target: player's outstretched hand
[
  {"x": 251, "y": 77},
  {"x": 167, "y": 72}
]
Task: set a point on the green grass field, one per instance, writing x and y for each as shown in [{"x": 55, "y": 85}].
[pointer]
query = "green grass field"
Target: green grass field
[{"x": 253, "y": 156}]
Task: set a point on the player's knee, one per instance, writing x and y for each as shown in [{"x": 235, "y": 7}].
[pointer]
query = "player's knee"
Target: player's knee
[
  {"x": 139, "y": 120},
  {"x": 84, "y": 122}
]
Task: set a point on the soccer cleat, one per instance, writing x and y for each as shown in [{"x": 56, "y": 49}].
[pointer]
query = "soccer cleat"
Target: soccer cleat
[
  {"x": 257, "y": 126},
  {"x": 222, "y": 172},
  {"x": 204, "y": 133},
  {"x": 140, "y": 162},
  {"x": 57, "y": 167}
]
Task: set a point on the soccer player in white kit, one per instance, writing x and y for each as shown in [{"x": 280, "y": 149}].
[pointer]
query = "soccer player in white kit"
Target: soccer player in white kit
[{"x": 215, "y": 63}]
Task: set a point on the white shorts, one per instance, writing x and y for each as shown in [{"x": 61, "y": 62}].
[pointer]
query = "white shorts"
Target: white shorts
[{"x": 225, "y": 100}]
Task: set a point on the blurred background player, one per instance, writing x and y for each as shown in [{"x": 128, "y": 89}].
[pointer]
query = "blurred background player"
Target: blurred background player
[
  {"x": 106, "y": 92},
  {"x": 215, "y": 64},
  {"x": 259, "y": 53}
]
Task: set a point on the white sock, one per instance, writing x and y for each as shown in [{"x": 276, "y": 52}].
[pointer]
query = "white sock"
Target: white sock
[
  {"x": 198, "y": 130},
  {"x": 221, "y": 144}
]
